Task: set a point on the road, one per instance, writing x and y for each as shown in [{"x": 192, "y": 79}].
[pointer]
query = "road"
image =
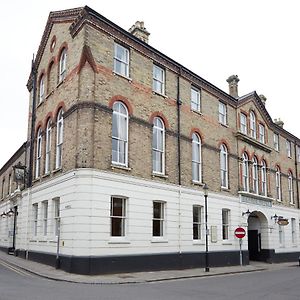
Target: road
[{"x": 281, "y": 284}]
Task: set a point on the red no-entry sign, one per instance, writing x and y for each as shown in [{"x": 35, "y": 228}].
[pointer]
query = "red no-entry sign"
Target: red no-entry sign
[{"x": 240, "y": 232}]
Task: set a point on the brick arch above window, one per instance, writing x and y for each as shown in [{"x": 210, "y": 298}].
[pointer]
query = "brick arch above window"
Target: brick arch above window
[
  {"x": 42, "y": 74},
  {"x": 245, "y": 150},
  {"x": 197, "y": 131},
  {"x": 121, "y": 99},
  {"x": 290, "y": 172},
  {"x": 277, "y": 166},
  {"x": 53, "y": 42},
  {"x": 224, "y": 142},
  {"x": 63, "y": 46},
  {"x": 159, "y": 115},
  {"x": 39, "y": 126},
  {"x": 60, "y": 105},
  {"x": 48, "y": 117}
]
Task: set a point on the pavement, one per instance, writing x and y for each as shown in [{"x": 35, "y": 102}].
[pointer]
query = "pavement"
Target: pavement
[{"x": 49, "y": 272}]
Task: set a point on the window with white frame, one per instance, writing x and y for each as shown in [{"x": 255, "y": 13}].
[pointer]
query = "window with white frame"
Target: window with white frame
[
  {"x": 56, "y": 215},
  {"x": 196, "y": 158},
  {"x": 293, "y": 228},
  {"x": 118, "y": 216},
  {"x": 48, "y": 147},
  {"x": 252, "y": 125},
  {"x": 63, "y": 65},
  {"x": 261, "y": 129},
  {"x": 245, "y": 172},
  {"x": 120, "y": 134},
  {"x": 158, "y": 218},
  {"x": 264, "y": 178},
  {"x": 35, "y": 219},
  {"x": 197, "y": 222},
  {"x": 278, "y": 184},
  {"x": 255, "y": 175},
  {"x": 298, "y": 153},
  {"x": 195, "y": 99},
  {"x": 288, "y": 148},
  {"x": 42, "y": 89},
  {"x": 121, "y": 60},
  {"x": 281, "y": 235},
  {"x": 45, "y": 217},
  {"x": 59, "y": 139},
  {"x": 222, "y": 113},
  {"x": 225, "y": 224},
  {"x": 158, "y": 146},
  {"x": 38, "y": 154},
  {"x": 158, "y": 80},
  {"x": 224, "y": 166},
  {"x": 290, "y": 187},
  {"x": 243, "y": 123},
  {"x": 9, "y": 185},
  {"x": 276, "y": 141}
]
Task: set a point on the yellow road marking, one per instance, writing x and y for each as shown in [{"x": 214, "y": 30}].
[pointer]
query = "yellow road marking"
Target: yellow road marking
[{"x": 15, "y": 269}]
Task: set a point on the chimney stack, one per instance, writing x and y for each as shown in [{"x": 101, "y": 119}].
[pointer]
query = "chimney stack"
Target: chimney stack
[
  {"x": 233, "y": 85},
  {"x": 263, "y": 99},
  {"x": 279, "y": 122},
  {"x": 139, "y": 31}
]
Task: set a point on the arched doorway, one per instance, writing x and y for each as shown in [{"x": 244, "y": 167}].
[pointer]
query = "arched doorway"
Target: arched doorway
[{"x": 258, "y": 239}]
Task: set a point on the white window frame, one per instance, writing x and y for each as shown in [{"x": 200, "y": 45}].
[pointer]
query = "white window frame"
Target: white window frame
[
  {"x": 158, "y": 84},
  {"x": 293, "y": 229},
  {"x": 195, "y": 99},
  {"x": 197, "y": 222},
  {"x": 222, "y": 113},
  {"x": 276, "y": 141},
  {"x": 261, "y": 129},
  {"x": 298, "y": 154},
  {"x": 224, "y": 166},
  {"x": 63, "y": 65},
  {"x": 160, "y": 219},
  {"x": 158, "y": 166},
  {"x": 196, "y": 158},
  {"x": 48, "y": 147},
  {"x": 225, "y": 224},
  {"x": 255, "y": 175},
  {"x": 121, "y": 64},
  {"x": 252, "y": 125},
  {"x": 245, "y": 172},
  {"x": 39, "y": 142},
  {"x": 45, "y": 217},
  {"x": 264, "y": 186},
  {"x": 120, "y": 134},
  {"x": 118, "y": 217},
  {"x": 35, "y": 214},
  {"x": 59, "y": 139},
  {"x": 243, "y": 123},
  {"x": 288, "y": 148},
  {"x": 56, "y": 216},
  {"x": 290, "y": 188},
  {"x": 42, "y": 89},
  {"x": 278, "y": 184}
]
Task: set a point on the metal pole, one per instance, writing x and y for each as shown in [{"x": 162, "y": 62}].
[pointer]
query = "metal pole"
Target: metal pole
[
  {"x": 206, "y": 238},
  {"x": 57, "y": 261},
  {"x": 241, "y": 256}
]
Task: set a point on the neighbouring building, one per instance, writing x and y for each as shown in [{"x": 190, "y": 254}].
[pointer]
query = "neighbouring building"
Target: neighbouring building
[{"x": 121, "y": 139}]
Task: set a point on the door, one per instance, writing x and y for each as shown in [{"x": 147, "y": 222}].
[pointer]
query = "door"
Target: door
[{"x": 253, "y": 244}]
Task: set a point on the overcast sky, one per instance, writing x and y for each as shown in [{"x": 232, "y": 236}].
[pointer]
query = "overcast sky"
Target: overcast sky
[{"x": 256, "y": 40}]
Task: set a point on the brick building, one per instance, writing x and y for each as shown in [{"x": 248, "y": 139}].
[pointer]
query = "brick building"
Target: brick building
[{"x": 121, "y": 139}]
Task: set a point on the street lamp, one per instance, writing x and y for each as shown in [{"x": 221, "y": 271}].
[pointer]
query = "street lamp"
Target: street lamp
[{"x": 205, "y": 189}]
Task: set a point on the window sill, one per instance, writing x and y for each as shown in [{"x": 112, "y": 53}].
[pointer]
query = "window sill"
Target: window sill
[
  {"x": 199, "y": 183},
  {"x": 32, "y": 241},
  {"x": 226, "y": 243},
  {"x": 198, "y": 112},
  {"x": 160, "y": 175},
  {"x": 159, "y": 94},
  {"x": 57, "y": 170},
  {"x": 40, "y": 103},
  {"x": 118, "y": 240},
  {"x": 225, "y": 189},
  {"x": 198, "y": 242},
  {"x": 224, "y": 125},
  {"x": 122, "y": 76},
  {"x": 46, "y": 175},
  {"x": 49, "y": 94},
  {"x": 61, "y": 82},
  {"x": 115, "y": 166},
  {"x": 158, "y": 240}
]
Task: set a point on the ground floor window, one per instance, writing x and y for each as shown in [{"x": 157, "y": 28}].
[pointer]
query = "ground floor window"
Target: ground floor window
[
  {"x": 158, "y": 218},
  {"x": 118, "y": 216},
  {"x": 225, "y": 224},
  {"x": 197, "y": 222}
]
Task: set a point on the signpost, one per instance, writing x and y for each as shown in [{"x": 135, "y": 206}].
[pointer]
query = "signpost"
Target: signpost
[{"x": 240, "y": 234}]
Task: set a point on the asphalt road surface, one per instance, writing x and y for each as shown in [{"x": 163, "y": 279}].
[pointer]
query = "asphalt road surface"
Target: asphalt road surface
[{"x": 281, "y": 284}]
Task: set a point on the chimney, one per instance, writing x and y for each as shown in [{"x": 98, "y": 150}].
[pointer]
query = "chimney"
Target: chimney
[
  {"x": 233, "y": 85},
  {"x": 139, "y": 31},
  {"x": 279, "y": 122},
  {"x": 263, "y": 99}
]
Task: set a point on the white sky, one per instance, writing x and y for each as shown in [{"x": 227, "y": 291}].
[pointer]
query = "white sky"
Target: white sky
[{"x": 257, "y": 40}]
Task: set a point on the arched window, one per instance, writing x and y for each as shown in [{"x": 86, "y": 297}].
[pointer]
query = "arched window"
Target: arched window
[
  {"x": 196, "y": 158},
  {"x": 224, "y": 166},
  {"x": 290, "y": 186},
  {"x": 255, "y": 175},
  {"x": 278, "y": 184},
  {"x": 245, "y": 171},
  {"x": 59, "y": 139},
  {"x": 38, "y": 153},
  {"x": 41, "y": 89},
  {"x": 62, "y": 65},
  {"x": 48, "y": 147},
  {"x": 51, "y": 77},
  {"x": 158, "y": 146},
  {"x": 264, "y": 190},
  {"x": 120, "y": 134},
  {"x": 252, "y": 125}
]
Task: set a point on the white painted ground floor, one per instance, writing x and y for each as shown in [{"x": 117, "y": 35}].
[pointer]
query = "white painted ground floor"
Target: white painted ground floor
[{"x": 115, "y": 223}]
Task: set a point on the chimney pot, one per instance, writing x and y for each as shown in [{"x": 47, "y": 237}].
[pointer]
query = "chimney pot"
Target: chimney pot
[
  {"x": 279, "y": 122},
  {"x": 139, "y": 31},
  {"x": 233, "y": 85},
  {"x": 263, "y": 99}
]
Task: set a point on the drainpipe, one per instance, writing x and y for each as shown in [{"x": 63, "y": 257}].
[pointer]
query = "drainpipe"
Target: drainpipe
[
  {"x": 33, "y": 117},
  {"x": 296, "y": 171},
  {"x": 178, "y": 102}
]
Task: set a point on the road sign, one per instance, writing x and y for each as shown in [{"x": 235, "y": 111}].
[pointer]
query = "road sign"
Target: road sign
[{"x": 240, "y": 232}]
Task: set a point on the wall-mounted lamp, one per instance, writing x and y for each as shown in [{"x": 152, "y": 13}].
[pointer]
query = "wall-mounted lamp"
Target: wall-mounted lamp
[
  {"x": 3, "y": 215},
  {"x": 275, "y": 217},
  {"x": 248, "y": 212},
  {"x": 10, "y": 213}
]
